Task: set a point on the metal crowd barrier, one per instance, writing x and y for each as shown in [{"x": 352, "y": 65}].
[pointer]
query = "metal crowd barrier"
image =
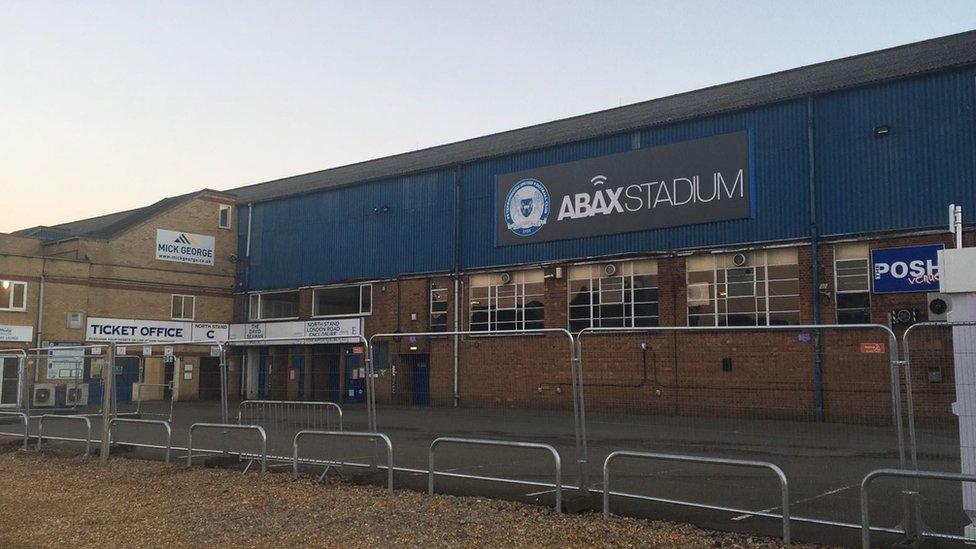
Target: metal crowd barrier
[
  {"x": 23, "y": 417},
  {"x": 506, "y": 443},
  {"x": 40, "y": 429},
  {"x": 164, "y": 386},
  {"x": 784, "y": 483},
  {"x": 258, "y": 428},
  {"x": 306, "y": 413},
  {"x": 901, "y": 473},
  {"x": 165, "y": 425},
  {"x": 350, "y": 434}
]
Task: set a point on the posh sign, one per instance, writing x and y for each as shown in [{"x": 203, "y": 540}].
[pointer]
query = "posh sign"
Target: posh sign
[
  {"x": 684, "y": 183},
  {"x": 907, "y": 269}
]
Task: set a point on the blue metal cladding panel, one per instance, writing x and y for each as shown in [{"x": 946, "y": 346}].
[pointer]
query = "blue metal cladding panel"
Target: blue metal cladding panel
[
  {"x": 904, "y": 179},
  {"x": 778, "y": 133},
  {"x": 377, "y": 230}
]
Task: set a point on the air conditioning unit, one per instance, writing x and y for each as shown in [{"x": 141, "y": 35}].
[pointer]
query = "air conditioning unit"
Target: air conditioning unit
[
  {"x": 609, "y": 269},
  {"x": 44, "y": 394},
  {"x": 76, "y": 395},
  {"x": 904, "y": 317},
  {"x": 939, "y": 306}
]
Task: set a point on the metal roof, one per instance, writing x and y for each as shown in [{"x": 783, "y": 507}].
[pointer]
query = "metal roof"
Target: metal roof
[{"x": 899, "y": 62}]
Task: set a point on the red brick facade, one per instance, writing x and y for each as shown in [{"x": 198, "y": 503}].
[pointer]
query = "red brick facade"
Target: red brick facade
[{"x": 753, "y": 373}]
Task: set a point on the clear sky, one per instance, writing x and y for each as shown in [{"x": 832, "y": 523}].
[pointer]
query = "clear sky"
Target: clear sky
[{"x": 106, "y": 106}]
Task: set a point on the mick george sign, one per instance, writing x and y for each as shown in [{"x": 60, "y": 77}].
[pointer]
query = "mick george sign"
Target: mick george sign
[
  {"x": 184, "y": 247},
  {"x": 699, "y": 181}
]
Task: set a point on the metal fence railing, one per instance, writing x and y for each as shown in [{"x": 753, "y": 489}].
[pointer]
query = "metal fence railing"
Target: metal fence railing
[{"x": 825, "y": 404}]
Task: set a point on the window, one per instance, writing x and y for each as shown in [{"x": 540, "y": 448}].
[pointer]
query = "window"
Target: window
[
  {"x": 13, "y": 295},
  {"x": 273, "y": 305},
  {"x": 762, "y": 291},
  {"x": 343, "y": 300},
  {"x": 852, "y": 283},
  {"x": 438, "y": 305},
  {"x": 627, "y": 299},
  {"x": 184, "y": 307},
  {"x": 223, "y": 216},
  {"x": 499, "y": 306}
]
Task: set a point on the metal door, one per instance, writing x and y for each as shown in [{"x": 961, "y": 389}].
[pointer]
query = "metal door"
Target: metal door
[{"x": 421, "y": 382}]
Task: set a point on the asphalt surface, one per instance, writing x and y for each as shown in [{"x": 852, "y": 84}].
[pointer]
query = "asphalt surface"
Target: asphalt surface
[{"x": 824, "y": 462}]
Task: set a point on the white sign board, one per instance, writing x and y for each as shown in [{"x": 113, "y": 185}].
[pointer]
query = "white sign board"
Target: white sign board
[
  {"x": 66, "y": 362},
  {"x": 16, "y": 333},
  {"x": 332, "y": 330},
  {"x": 184, "y": 247},
  {"x": 128, "y": 330}
]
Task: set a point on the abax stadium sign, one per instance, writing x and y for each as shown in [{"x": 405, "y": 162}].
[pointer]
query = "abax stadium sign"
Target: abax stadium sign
[{"x": 683, "y": 183}]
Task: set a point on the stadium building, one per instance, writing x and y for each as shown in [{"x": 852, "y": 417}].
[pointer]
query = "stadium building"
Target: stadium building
[{"x": 813, "y": 195}]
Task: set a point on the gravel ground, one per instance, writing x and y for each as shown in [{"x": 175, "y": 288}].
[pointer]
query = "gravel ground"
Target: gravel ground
[{"x": 47, "y": 500}]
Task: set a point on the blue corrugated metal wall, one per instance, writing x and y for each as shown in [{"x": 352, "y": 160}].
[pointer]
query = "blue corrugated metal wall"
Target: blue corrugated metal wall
[
  {"x": 379, "y": 230},
  {"x": 865, "y": 183},
  {"x": 779, "y": 156},
  {"x": 907, "y": 178}
]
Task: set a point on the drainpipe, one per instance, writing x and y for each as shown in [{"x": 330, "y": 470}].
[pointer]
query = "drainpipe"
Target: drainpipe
[
  {"x": 245, "y": 364},
  {"x": 456, "y": 268},
  {"x": 40, "y": 328},
  {"x": 814, "y": 269}
]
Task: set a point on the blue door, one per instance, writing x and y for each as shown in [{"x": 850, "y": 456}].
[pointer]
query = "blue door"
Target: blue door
[
  {"x": 421, "y": 382},
  {"x": 264, "y": 379},
  {"x": 126, "y": 373},
  {"x": 355, "y": 388},
  {"x": 298, "y": 364}
]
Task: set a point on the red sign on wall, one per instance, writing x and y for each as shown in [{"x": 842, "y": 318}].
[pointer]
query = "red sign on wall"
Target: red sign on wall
[{"x": 872, "y": 348}]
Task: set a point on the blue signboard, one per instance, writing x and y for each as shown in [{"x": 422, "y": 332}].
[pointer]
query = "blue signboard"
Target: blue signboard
[{"x": 908, "y": 269}]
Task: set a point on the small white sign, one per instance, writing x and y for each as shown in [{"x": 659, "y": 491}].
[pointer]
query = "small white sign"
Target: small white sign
[
  {"x": 188, "y": 367},
  {"x": 147, "y": 351},
  {"x": 167, "y": 351},
  {"x": 187, "y": 375},
  {"x": 184, "y": 247},
  {"x": 120, "y": 350},
  {"x": 16, "y": 333},
  {"x": 215, "y": 351},
  {"x": 96, "y": 351}
]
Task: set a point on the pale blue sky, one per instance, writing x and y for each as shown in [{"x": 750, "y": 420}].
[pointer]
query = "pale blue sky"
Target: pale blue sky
[{"x": 112, "y": 105}]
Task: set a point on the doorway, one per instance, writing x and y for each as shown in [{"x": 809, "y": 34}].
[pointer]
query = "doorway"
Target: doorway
[
  {"x": 209, "y": 378},
  {"x": 419, "y": 376},
  {"x": 9, "y": 381},
  {"x": 325, "y": 375}
]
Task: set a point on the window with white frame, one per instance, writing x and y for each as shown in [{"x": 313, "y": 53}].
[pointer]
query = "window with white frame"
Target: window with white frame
[
  {"x": 355, "y": 300},
  {"x": 744, "y": 289},
  {"x": 223, "y": 216},
  {"x": 13, "y": 295},
  {"x": 439, "y": 290},
  {"x": 273, "y": 305},
  {"x": 852, "y": 283},
  {"x": 184, "y": 307},
  {"x": 626, "y": 299},
  {"x": 497, "y": 305}
]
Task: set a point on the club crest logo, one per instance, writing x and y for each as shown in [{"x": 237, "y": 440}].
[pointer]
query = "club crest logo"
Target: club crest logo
[{"x": 527, "y": 207}]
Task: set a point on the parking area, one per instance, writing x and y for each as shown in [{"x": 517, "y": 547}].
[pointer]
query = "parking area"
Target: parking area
[{"x": 824, "y": 462}]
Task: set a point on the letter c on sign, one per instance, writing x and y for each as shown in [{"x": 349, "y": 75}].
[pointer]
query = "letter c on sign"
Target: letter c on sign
[{"x": 210, "y": 334}]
